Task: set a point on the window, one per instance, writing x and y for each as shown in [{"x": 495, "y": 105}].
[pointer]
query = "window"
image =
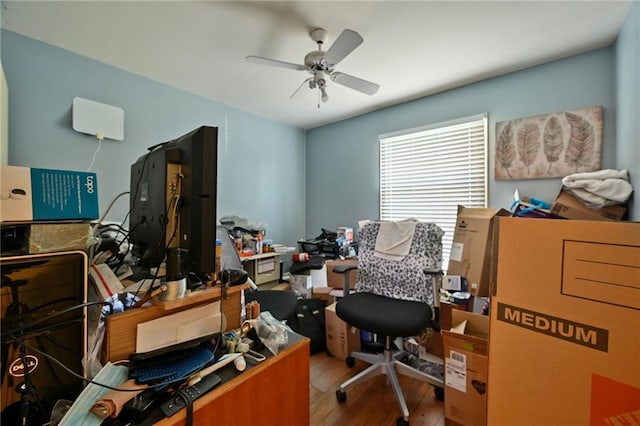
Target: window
[{"x": 425, "y": 173}]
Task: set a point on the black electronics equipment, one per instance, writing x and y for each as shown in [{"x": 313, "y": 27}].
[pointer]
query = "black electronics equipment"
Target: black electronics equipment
[
  {"x": 43, "y": 320},
  {"x": 173, "y": 201}
]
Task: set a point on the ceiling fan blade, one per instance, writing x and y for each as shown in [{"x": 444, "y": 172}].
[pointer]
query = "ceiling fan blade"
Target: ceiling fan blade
[
  {"x": 300, "y": 87},
  {"x": 344, "y": 44},
  {"x": 274, "y": 63},
  {"x": 355, "y": 83}
]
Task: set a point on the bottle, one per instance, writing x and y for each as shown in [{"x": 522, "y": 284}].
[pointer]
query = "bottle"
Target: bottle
[
  {"x": 218, "y": 259},
  {"x": 259, "y": 243}
]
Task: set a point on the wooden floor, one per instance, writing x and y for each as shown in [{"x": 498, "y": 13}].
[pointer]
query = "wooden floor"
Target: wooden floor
[{"x": 368, "y": 403}]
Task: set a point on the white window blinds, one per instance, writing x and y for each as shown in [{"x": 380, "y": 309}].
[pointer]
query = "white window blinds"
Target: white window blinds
[{"x": 425, "y": 173}]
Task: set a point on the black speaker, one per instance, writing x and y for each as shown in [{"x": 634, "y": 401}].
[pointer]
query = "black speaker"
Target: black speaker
[{"x": 43, "y": 333}]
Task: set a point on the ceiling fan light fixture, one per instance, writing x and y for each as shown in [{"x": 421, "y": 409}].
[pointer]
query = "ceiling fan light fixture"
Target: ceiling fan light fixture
[
  {"x": 321, "y": 64},
  {"x": 319, "y": 35}
]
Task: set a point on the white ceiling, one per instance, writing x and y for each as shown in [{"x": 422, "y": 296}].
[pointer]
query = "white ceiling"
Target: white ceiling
[{"x": 412, "y": 49}]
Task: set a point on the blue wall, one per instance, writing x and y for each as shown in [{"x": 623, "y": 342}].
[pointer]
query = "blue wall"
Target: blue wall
[
  {"x": 628, "y": 96},
  {"x": 337, "y": 172},
  {"x": 261, "y": 162},
  {"x": 348, "y": 190}
]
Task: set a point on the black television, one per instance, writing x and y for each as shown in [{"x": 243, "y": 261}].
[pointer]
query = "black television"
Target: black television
[{"x": 173, "y": 202}]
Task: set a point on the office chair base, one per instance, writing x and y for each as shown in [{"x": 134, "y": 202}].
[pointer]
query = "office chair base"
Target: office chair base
[{"x": 389, "y": 364}]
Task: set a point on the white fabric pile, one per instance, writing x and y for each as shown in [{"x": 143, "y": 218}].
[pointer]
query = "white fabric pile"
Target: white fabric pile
[
  {"x": 599, "y": 189},
  {"x": 394, "y": 239}
]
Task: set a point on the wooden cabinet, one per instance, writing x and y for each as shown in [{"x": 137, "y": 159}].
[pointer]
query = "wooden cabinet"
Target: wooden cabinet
[
  {"x": 263, "y": 268},
  {"x": 274, "y": 392}
]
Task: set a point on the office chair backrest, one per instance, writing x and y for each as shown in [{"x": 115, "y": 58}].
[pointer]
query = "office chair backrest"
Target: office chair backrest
[{"x": 400, "y": 279}]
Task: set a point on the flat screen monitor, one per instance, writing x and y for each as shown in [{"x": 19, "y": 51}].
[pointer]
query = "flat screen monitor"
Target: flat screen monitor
[{"x": 173, "y": 201}]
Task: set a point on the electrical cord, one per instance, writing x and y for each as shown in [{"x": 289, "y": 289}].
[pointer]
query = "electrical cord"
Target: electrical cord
[
  {"x": 98, "y": 223},
  {"x": 22, "y": 343},
  {"x": 100, "y": 138},
  {"x": 121, "y": 238},
  {"x": 54, "y": 315},
  {"x": 173, "y": 205},
  {"x": 84, "y": 379}
]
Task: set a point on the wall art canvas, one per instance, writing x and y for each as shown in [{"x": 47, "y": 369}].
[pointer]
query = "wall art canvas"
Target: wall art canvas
[{"x": 548, "y": 146}]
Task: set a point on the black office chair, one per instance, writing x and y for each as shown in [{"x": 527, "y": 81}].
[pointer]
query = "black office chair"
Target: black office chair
[{"x": 393, "y": 298}]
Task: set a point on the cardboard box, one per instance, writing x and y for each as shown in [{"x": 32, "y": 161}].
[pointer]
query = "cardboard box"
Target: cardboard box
[
  {"x": 466, "y": 360},
  {"x": 564, "y": 323},
  {"x": 334, "y": 279},
  {"x": 324, "y": 294},
  {"x": 471, "y": 249},
  {"x": 338, "y": 293},
  {"x": 570, "y": 207},
  {"x": 281, "y": 287},
  {"x": 30, "y": 194},
  {"x": 342, "y": 339},
  {"x": 302, "y": 285},
  {"x": 318, "y": 277}
]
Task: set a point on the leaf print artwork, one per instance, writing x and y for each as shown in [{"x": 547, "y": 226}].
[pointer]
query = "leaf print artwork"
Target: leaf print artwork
[
  {"x": 549, "y": 145},
  {"x": 580, "y": 147},
  {"x": 528, "y": 142},
  {"x": 552, "y": 141},
  {"x": 505, "y": 153}
]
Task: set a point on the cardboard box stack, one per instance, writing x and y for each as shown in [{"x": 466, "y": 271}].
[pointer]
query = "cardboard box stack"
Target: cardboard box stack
[
  {"x": 45, "y": 210},
  {"x": 30, "y": 194},
  {"x": 466, "y": 360},
  {"x": 342, "y": 339},
  {"x": 334, "y": 281},
  {"x": 570, "y": 207},
  {"x": 471, "y": 251},
  {"x": 564, "y": 324}
]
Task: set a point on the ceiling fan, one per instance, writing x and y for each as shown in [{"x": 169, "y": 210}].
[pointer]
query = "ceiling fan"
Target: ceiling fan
[{"x": 321, "y": 64}]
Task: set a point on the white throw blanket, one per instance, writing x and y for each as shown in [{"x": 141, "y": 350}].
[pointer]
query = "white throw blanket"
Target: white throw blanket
[
  {"x": 394, "y": 239},
  {"x": 599, "y": 189}
]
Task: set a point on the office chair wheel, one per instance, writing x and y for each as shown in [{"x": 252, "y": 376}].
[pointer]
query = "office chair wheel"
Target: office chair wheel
[
  {"x": 341, "y": 396},
  {"x": 402, "y": 422},
  {"x": 439, "y": 393},
  {"x": 351, "y": 361}
]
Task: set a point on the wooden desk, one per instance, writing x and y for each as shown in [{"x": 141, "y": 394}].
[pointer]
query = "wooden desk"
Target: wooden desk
[
  {"x": 121, "y": 328},
  {"x": 274, "y": 392}
]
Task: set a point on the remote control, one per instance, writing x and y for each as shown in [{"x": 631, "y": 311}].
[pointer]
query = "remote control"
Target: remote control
[{"x": 194, "y": 392}]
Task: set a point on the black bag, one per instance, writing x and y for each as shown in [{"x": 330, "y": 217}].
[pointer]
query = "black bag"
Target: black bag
[{"x": 310, "y": 323}]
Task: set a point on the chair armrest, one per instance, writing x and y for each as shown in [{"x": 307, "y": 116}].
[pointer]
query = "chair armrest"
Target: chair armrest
[
  {"x": 344, "y": 270},
  {"x": 437, "y": 283},
  {"x": 436, "y": 319}
]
